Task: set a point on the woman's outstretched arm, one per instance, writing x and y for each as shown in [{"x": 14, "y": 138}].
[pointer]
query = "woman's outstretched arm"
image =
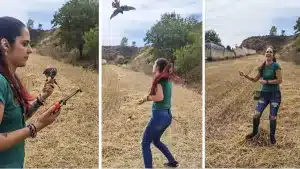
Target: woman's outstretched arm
[{"x": 253, "y": 79}]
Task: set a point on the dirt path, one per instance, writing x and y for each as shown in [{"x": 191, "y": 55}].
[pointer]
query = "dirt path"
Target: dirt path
[
  {"x": 71, "y": 141},
  {"x": 121, "y": 143},
  {"x": 229, "y": 108}
]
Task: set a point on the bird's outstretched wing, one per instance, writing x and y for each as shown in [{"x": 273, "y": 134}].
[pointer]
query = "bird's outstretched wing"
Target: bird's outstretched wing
[
  {"x": 127, "y": 8},
  {"x": 114, "y": 13},
  {"x": 116, "y": 4},
  {"x": 113, "y": 4}
]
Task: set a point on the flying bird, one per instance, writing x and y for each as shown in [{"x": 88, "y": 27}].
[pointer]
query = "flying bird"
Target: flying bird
[
  {"x": 116, "y": 4},
  {"x": 120, "y": 9}
]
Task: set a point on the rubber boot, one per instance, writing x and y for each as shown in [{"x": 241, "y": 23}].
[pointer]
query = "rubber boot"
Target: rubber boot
[
  {"x": 272, "y": 131},
  {"x": 255, "y": 128}
]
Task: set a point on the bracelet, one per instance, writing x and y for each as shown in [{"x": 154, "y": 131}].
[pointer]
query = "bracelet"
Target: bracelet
[
  {"x": 147, "y": 98},
  {"x": 32, "y": 130}
]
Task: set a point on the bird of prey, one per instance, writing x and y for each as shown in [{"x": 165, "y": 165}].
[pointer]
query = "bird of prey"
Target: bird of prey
[
  {"x": 120, "y": 9},
  {"x": 51, "y": 72}
]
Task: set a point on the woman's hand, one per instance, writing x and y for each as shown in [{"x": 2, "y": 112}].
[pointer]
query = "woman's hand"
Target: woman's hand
[
  {"x": 242, "y": 73},
  {"x": 262, "y": 81},
  {"x": 46, "y": 118},
  {"x": 143, "y": 100},
  {"x": 48, "y": 89}
]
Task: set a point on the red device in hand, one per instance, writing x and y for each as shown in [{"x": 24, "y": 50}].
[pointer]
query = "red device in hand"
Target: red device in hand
[
  {"x": 57, "y": 107},
  {"x": 64, "y": 101}
]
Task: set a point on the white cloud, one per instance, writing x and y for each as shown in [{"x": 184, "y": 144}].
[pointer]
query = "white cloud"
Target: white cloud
[
  {"x": 20, "y": 8},
  {"x": 236, "y": 20},
  {"x": 140, "y": 20}
]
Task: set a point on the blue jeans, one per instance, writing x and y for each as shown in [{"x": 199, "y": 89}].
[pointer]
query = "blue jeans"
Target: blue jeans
[
  {"x": 160, "y": 121},
  {"x": 272, "y": 98}
]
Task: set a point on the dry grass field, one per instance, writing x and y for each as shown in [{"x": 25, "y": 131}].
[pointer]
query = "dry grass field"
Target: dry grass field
[
  {"x": 72, "y": 140},
  {"x": 229, "y": 108},
  {"x": 121, "y": 138}
]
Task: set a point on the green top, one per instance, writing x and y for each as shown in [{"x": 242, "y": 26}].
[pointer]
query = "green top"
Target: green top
[
  {"x": 166, "y": 102},
  {"x": 12, "y": 120},
  {"x": 269, "y": 73}
]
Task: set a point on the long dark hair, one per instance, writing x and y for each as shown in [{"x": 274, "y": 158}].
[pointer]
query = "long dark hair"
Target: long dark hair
[
  {"x": 10, "y": 28},
  {"x": 165, "y": 73},
  {"x": 263, "y": 65}
]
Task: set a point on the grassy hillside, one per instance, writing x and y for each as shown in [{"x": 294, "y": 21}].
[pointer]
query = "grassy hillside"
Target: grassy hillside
[
  {"x": 72, "y": 140},
  {"x": 260, "y": 43},
  {"x": 229, "y": 110},
  {"x": 112, "y": 52},
  {"x": 287, "y": 47},
  {"x": 70, "y": 41},
  {"x": 291, "y": 51},
  {"x": 123, "y": 121}
]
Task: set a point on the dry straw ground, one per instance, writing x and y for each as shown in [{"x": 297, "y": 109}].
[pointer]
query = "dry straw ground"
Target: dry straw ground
[
  {"x": 229, "y": 108},
  {"x": 121, "y": 144},
  {"x": 72, "y": 140}
]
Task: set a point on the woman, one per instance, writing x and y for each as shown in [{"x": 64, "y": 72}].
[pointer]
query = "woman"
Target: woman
[
  {"x": 16, "y": 104},
  {"x": 270, "y": 77},
  {"x": 160, "y": 94}
]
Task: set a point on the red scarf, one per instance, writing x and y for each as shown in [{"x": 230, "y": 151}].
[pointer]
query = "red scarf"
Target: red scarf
[{"x": 164, "y": 74}]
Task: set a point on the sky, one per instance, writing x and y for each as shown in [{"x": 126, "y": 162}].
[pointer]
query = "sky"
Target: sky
[
  {"x": 135, "y": 24},
  {"x": 41, "y": 11},
  {"x": 236, "y": 20}
]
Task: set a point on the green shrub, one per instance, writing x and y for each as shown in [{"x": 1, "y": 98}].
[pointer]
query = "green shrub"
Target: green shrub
[
  {"x": 188, "y": 58},
  {"x": 297, "y": 44},
  {"x": 91, "y": 46}
]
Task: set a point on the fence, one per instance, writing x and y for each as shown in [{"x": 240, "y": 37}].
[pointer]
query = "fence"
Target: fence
[{"x": 217, "y": 52}]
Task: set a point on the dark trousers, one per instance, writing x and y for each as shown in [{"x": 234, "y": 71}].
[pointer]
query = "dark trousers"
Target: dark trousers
[
  {"x": 272, "y": 98},
  {"x": 160, "y": 121}
]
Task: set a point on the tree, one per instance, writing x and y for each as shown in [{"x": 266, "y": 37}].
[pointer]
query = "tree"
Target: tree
[
  {"x": 171, "y": 32},
  {"x": 273, "y": 31},
  {"x": 195, "y": 33},
  {"x": 91, "y": 46},
  {"x": 228, "y": 48},
  {"x": 40, "y": 26},
  {"x": 124, "y": 41},
  {"x": 282, "y": 32},
  {"x": 30, "y": 24},
  {"x": 297, "y": 26},
  {"x": 189, "y": 57},
  {"x": 213, "y": 37},
  {"x": 75, "y": 18},
  {"x": 133, "y": 43}
]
